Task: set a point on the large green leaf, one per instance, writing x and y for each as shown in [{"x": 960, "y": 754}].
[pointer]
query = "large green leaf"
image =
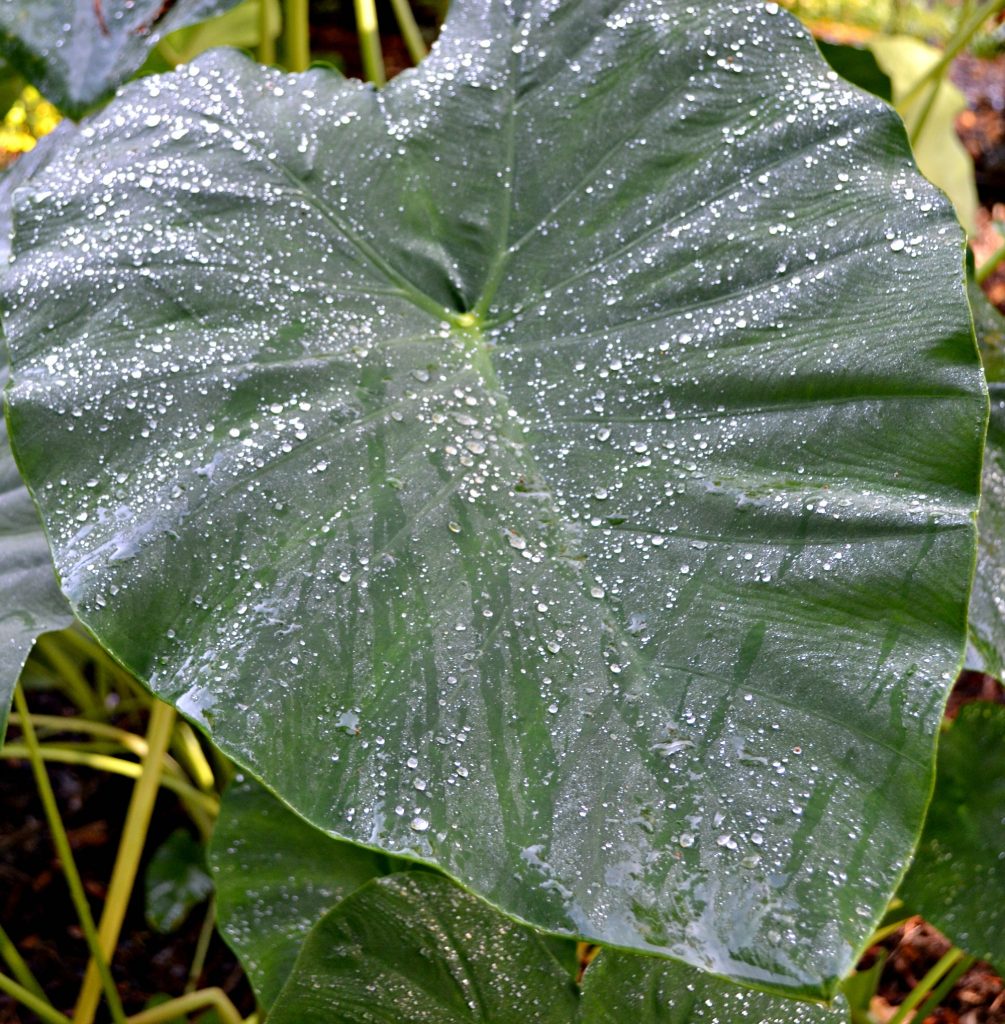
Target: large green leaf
[
  {"x": 78, "y": 51},
  {"x": 958, "y": 874},
  {"x": 30, "y": 601},
  {"x": 559, "y": 466}
]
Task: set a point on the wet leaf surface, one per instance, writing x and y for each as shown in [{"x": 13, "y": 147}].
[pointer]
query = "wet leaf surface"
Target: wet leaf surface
[
  {"x": 584, "y": 507},
  {"x": 275, "y": 878},
  {"x": 326, "y": 939},
  {"x": 30, "y": 601},
  {"x": 622, "y": 987}
]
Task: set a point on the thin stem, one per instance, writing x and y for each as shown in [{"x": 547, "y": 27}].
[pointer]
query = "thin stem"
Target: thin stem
[
  {"x": 414, "y": 42},
  {"x": 68, "y": 673},
  {"x": 59, "y": 723},
  {"x": 296, "y": 35},
  {"x": 127, "y": 860},
  {"x": 204, "y": 999},
  {"x": 990, "y": 265},
  {"x": 117, "y": 766},
  {"x": 37, "y": 1006},
  {"x": 961, "y": 37},
  {"x": 944, "y": 988},
  {"x": 202, "y": 946},
  {"x": 369, "y": 41},
  {"x": 266, "y": 40},
  {"x": 65, "y": 854},
  {"x": 189, "y": 752},
  {"x": 926, "y": 109},
  {"x": 926, "y": 985},
  {"x": 883, "y": 933},
  {"x": 20, "y": 970}
]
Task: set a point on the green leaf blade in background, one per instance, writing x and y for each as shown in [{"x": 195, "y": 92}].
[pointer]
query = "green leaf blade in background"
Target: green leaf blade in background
[
  {"x": 176, "y": 881},
  {"x": 76, "y": 54},
  {"x": 859, "y": 66},
  {"x": 621, "y": 987},
  {"x": 959, "y": 871},
  {"x": 557, "y": 467}
]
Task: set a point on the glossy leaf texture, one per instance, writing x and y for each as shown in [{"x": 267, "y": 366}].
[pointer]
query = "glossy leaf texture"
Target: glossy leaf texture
[
  {"x": 559, "y": 466},
  {"x": 959, "y": 869},
  {"x": 76, "y": 52},
  {"x": 325, "y": 943},
  {"x": 30, "y": 600},
  {"x": 986, "y": 652}
]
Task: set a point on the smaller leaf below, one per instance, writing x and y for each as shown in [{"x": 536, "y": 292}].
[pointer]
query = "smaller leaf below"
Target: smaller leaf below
[
  {"x": 276, "y": 876},
  {"x": 958, "y": 875},
  {"x": 177, "y": 881}
]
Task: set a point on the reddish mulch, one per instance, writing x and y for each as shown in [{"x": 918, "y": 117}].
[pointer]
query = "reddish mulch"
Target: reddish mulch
[{"x": 978, "y": 997}]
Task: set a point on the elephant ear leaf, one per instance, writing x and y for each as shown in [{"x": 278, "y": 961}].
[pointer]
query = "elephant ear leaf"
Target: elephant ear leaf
[
  {"x": 543, "y": 467},
  {"x": 76, "y": 52},
  {"x": 30, "y": 601},
  {"x": 416, "y": 947}
]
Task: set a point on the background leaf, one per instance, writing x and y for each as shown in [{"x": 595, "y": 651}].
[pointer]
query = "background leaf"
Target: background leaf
[
  {"x": 859, "y": 66},
  {"x": 959, "y": 869},
  {"x": 176, "y": 881},
  {"x": 241, "y": 26},
  {"x": 620, "y": 987},
  {"x": 585, "y": 507},
  {"x": 416, "y": 947},
  {"x": 276, "y": 876},
  {"x": 76, "y": 52}
]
